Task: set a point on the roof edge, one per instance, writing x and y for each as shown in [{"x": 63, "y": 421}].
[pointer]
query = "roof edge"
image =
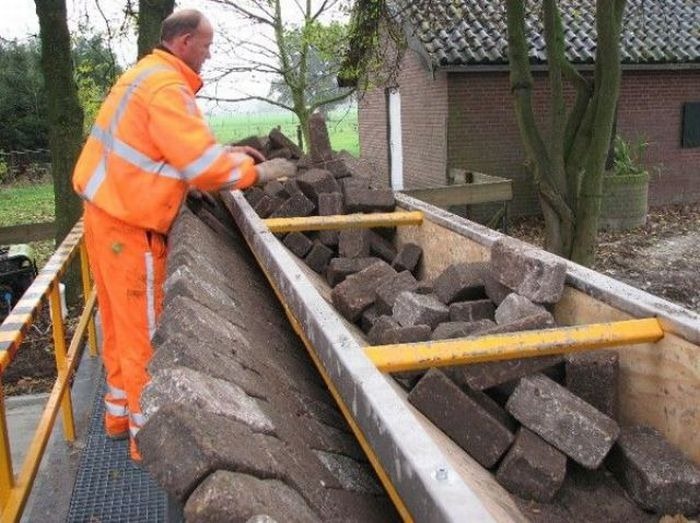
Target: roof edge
[{"x": 480, "y": 68}]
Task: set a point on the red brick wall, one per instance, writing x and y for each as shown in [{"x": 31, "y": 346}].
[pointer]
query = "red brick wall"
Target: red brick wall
[
  {"x": 482, "y": 132},
  {"x": 423, "y": 121}
]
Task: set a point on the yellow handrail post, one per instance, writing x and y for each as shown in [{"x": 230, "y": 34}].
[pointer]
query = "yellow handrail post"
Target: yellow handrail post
[
  {"x": 87, "y": 287},
  {"x": 7, "y": 480},
  {"x": 59, "y": 343}
]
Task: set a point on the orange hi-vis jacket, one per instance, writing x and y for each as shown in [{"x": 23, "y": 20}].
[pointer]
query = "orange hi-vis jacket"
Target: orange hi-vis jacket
[{"x": 150, "y": 143}]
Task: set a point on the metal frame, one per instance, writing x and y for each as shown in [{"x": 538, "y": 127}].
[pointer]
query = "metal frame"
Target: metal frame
[{"x": 419, "y": 473}]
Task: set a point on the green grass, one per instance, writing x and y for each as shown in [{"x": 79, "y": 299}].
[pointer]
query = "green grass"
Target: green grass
[
  {"x": 26, "y": 204},
  {"x": 342, "y": 127}
]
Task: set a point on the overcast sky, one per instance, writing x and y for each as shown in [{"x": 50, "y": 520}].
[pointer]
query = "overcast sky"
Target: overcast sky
[{"x": 20, "y": 21}]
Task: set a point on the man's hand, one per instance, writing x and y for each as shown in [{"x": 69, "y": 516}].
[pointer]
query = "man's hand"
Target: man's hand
[
  {"x": 246, "y": 149},
  {"x": 273, "y": 169}
]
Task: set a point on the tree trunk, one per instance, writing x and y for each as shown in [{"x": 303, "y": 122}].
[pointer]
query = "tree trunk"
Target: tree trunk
[
  {"x": 151, "y": 14},
  {"x": 65, "y": 117}
]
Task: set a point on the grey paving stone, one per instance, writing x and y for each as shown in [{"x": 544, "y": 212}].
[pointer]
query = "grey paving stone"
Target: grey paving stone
[
  {"x": 358, "y": 291},
  {"x": 419, "y": 309},
  {"x": 278, "y": 140},
  {"x": 298, "y": 243},
  {"x": 389, "y": 290},
  {"x": 399, "y": 334},
  {"x": 275, "y": 189},
  {"x": 292, "y": 187},
  {"x": 319, "y": 257},
  {"x": 183, "y": 386},
  {"x": 341, "y": 268},
  {"x": 532, "y": 469},
  {"x": 351, "y": 475},
  {"x": 354, "y": 243},
  {"x": 476, "y": 430},
  {"x": 472, "y": 310},
  {"x": 461, "y": 282},
  {"x": 193, "y": 436},
  {"x": 296, "y": 205},
  {"x": 381, "y": 324},
  {"x": 495, "y": 290},
  {"x": 330, "y": 204},
  {"x": 381, "y": 247},
  {"x": 231, "y": 496},
  {"x": 369, "y": 316},
  {"x": 253, "y": 195},
  {"x": 482, "y": 376},
  {"x": 515, "y": 307},
  {"x": 593, "y": 377},
  {"x": 407, "y": 258},
  {"x": 266, "y": 206},
  {"x": 529, "y": 272},
  {"x": 563, "y": 420},
  {"x": 259, "y": 143},
  {"x": 316, "y": 181},
  {"x": 542, "y": 320},
  {"x": 320, "y": 145},
  {"x": 424, "y": 287},
  {"x": 358, "y": 199},
  {"x": 655, "y": 473},
  {"x": 459, "y": 329}
]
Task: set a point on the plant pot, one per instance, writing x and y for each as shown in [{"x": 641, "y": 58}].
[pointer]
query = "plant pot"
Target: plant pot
[{"x": 624, "y": 203}]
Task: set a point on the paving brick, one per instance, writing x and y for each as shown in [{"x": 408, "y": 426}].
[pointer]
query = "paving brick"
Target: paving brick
[
  {"x": 291, "y": 186},
  {"x": 278, "y": 140},
  {"x": 338, "y": 166},
  {"x": 297, "y": 205},
  {"x": 193, "y": 437},
  {"x": 482, "y": 376},
  {"x": 389, "y": 290},
  {"x": 320, "y": 144},
  {"x": 424, "y": 287},
  {"x": 459, "y": 329},
  {"x": 183, "y": 386},
  {"x": 369, "y": 316},
  {"x": 593, "y": 377},
  {"x": 280, "y": 153},
  {"x": 264, "y": 206},
  {"x": 407, "y": 258},
  {"x": 298, "y": 243},
  {"x": 319, "y": 257},
  {"x": 387, "y": 331},
  {"x": 354, "y": 183},
  {"x": 253, "y": 195},
  {"x": 341, "y": 268},
  {"x": 259, "y": 143},
  {"x": 357, "y": 292},
  {"x": 515, "y": 307},
  {"x": 543, "y": 320},
  {"x": 532, "y": 469},
  {"x": 461, "y": 282},
  {"x": 368, "y": 200},
  {"x": 495, "y": 290},
  {"x": 419, "y": 309},
  {"x": 529, "y": 272},
  {"x": 231, "y": 496},
  {"x": 275, "y": 189},
  {"x": 484, "y": 436},
  {"x": 563, "y": 420},
  {"x": 351, "y": 475},
  {"x": 354, "y": 243},
  {"x": 655, "y": 473},
  {"x": 330, "y": 204},
  {"x": 381, "y": 247},
  {"x": 472, "y": 310},
  {"x": 315, "y": 182}
]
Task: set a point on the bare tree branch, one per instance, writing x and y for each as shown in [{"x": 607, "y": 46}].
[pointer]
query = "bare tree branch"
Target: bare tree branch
[{"x": 246, "y": 99}]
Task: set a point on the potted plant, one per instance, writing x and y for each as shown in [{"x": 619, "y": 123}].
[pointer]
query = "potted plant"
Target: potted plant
[{"x": 625, "y": 188}]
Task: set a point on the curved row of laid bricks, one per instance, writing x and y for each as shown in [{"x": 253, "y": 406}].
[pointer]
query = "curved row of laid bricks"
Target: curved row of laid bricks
[{"x": 239, "y": 421}]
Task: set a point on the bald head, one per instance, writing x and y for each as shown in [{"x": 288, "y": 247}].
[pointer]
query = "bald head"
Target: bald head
[{"x": 188, "y": 35}]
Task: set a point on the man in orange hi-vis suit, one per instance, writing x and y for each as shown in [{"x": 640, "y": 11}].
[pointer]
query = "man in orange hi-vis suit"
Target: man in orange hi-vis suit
[{"x": 148, "y": 146}]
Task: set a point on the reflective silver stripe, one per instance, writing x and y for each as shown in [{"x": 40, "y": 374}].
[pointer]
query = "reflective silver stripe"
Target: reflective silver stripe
[
  {"x": 202, "y": 163},
  {"x": 135, "y": 157},
  {"x": 98, "y": 176},
  {"x": 150, "y": 296},
  {"x": 134, "y": 430},
  {"x": 137, "y": 419},
  {"x": 120, "y": 411},
  {"x": 234, "y": 177},
  {"x": 116, "y": 393}
]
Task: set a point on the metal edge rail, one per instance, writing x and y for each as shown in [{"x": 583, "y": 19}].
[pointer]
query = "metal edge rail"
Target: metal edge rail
[
  {"x": 418, "y": 471},
  {"x": 673, "y": 318}
]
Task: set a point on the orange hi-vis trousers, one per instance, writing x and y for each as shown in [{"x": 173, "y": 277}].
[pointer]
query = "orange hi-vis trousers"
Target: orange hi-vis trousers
[{"x": 128, "y": 265}]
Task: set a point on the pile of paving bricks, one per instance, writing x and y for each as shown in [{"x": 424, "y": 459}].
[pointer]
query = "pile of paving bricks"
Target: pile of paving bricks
[{"x": 523, "y": 419}]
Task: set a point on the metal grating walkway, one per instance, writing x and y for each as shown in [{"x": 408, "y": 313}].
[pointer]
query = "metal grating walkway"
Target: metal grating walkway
[{"x": 108, "y": 486}]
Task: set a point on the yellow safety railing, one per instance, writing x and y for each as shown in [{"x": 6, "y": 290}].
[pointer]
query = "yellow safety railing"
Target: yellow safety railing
[{"x": 15, "y": 488}]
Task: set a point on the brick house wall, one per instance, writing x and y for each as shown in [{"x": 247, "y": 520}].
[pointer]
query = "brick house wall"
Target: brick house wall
[
  {"x": 482, "y": 132},
  {"x": 423, "y": 123}
]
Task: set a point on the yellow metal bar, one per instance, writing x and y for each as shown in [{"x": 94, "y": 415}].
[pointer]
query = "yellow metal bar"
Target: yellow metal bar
[
  {"x": 357, "y": 431},
  {"x": 87, "y": 286},
  {"x": 7, "y": 479},
  {"x": 19, "y": 494},
  {"x": 528, "y": 344},
  {"x": 344, "y": 221},
  {"x": 59, "y": 350}
]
